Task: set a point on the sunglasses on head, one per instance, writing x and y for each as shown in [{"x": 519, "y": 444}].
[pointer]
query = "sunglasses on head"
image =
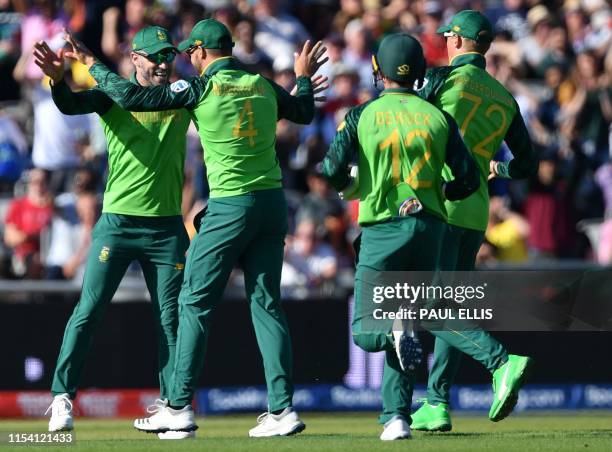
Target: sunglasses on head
[
  {"x": 159, "y": 57},
  {"x": 191, "y": 49}
]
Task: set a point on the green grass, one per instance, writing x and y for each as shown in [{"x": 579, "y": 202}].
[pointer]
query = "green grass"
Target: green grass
[{"x": 588, "y": 431}]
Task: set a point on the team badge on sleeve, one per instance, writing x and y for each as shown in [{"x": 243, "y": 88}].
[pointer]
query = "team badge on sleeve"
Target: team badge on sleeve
[{"x": 178, "y": 86}]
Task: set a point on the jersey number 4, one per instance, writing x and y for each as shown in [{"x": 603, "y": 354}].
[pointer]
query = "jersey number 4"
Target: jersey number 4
[{"x": 250, "y": 132}]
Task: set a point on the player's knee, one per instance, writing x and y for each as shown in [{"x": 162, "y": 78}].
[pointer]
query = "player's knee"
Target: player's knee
[{"x": 367, "y": 342}]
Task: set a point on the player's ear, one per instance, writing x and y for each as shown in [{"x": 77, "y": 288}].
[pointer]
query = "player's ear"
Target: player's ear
[
  {"x": 458, "y": 42},
  {"x": 134, "y": 58}
]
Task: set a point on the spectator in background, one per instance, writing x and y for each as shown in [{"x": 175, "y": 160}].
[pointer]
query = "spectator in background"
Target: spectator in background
[
  {"x": 308, "y": 261},
  {"x": 343, "y": 96},
  {"x": 603, "y": 177},
  {"x": 593, "y": 107},
  {"x": 70, "y": 234},
  {"x": 253, "y": 59},
  {"x": 349, "y": 10},
  {"x": 508, "y": 19},
  {"x": 277, "y": 34},
  {"x": 434, "y": 44},
  {"x": 13, "y": 148},
  {"x": 357, "y": 54},
  {"x": 319, "y": 204},
  {"x": 10, "y": 27},
  {"x": 42, "y": 22},
  {"x": 95, "y": 23},
  {"x": 507, "y": 231},
  {"x": 26, "y": 219},
  {"x": 533, "y": 46},
  {"x": 58, "y": 138},
  {"x": 548, "y": 211}
]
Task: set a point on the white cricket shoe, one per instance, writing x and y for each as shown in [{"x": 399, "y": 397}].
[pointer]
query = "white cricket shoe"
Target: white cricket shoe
[
  {"x": 174, "y": 434},
  {"x": 396, "y": 428},
  {"x": 61, "y": 413},
  {"x": 282, "y": 424},
  {"x": 166, "y": 418}
]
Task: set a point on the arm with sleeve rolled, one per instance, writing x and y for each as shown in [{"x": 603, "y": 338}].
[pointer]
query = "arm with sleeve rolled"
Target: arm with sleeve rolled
[
  {"x": 461, "y": 163},
  {"x": 299, "y": 108},
  {"x": 132, "y": 97},
  {"x": 525, "y": 162},
  {"x": 344, "y": 147},
  {"x": 81, "y": 102}
]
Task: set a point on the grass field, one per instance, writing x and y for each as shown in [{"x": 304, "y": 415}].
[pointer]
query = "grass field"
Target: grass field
[{"x": 587, "y": 431}]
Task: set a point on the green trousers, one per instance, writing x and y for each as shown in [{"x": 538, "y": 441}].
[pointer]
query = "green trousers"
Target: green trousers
[
  {"x": 247, "y": 230},
  {"x": 159, "y": 245},
  {"x": 460, "y": 246},
  {"x": 410, "y": 243}
]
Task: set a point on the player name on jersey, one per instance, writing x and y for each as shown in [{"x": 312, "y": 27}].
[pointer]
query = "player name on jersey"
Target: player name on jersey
[{"x": 402, "y": 117}]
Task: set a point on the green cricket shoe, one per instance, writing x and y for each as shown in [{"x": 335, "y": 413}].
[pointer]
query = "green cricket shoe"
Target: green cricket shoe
[
  {"x": 507, "y": 381},
  {"x": 432, "y": 418}
]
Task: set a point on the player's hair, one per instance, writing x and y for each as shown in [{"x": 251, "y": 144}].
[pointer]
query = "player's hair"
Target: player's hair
[{"x": 474, "y": 46}]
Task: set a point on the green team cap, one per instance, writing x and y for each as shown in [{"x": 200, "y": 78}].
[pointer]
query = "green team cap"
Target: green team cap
[
  {"x": 151, "y": 40},
  {"x": 400, "y": 58},
  {"x": 209, "y": 34},
  {"x": 469, "y": 24}
]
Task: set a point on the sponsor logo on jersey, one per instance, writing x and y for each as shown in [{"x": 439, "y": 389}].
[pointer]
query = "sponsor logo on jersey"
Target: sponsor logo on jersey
[
  {"x": 178, "y": 86},
  {"x": 179, "y": 266},
  {"x": 104, "y": 254}
]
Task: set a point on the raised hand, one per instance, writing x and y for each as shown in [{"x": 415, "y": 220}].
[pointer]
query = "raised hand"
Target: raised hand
[
  {"x": 51, "y": 64},
  {"x": 78, "y": 52},
  {"x": 308, "y": 61},
  {"x": 319, "y": 84}
]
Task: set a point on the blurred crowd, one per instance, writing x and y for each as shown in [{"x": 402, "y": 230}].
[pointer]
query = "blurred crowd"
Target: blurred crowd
[{"x": 555, "y": 57}]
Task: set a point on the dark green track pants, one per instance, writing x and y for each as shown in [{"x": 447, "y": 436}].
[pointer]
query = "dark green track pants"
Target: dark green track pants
[
  {"x": 412, "y": 243},
  {"x": 460, "y": 247},
  {"x": 248, "y": 230},
  {"x": 159, "y": 245}
]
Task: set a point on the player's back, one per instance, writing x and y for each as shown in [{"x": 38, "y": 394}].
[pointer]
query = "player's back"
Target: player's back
[
  {"x": 402, "y": 142},
  {"x": 484, "y": 110},
  {"x": 236, "y": 121}
]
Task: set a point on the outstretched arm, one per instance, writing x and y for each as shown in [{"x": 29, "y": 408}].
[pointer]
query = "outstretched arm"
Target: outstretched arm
[
  {"x": 129, "y": 96},
  {"x": 68, "y": 102},
  {"x": 342, "y": 151},
  {"x": 300, "y": 108}
]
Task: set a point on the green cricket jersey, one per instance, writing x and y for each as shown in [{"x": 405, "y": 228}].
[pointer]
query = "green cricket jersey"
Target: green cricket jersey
[
  {"x": 146, "y": 152},
  {"x": 487, "y": 114},
  {"x": 399, "y": 138},
  {"x": 235, "y": 113}
]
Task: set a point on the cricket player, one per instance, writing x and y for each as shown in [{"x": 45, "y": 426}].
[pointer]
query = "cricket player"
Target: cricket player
[
  {"x": 401, "y": 143},
  {"x": 245, "y": 221},
  {"x": 487, "y": 115},
  {"x": 141, "y": 215}
]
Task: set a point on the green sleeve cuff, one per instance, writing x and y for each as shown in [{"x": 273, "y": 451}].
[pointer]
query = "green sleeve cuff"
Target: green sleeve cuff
[{"x": 502, "y": 170}]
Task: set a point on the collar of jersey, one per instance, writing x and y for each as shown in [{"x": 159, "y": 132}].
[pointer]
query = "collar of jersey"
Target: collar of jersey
[
  {"x": 397, "y": 91},
  {"x": 473, "y": 58},
  {"x": 226, "y": 62},
  {"x": 133, "y": 79}
]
